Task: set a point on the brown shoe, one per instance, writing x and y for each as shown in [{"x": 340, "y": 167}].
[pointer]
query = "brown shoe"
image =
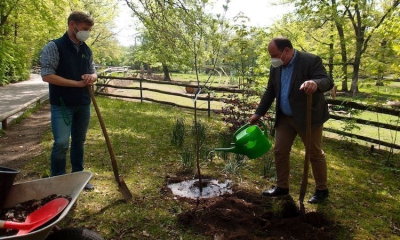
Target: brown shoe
[{"x": 276, "y": 191}]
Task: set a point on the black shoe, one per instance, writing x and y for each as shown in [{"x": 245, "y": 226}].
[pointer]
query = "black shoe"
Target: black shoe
[
  {"x": 89, "y": 186},
  {"x": 319, "y": 196},
  {"x": 276, "y": 191}
]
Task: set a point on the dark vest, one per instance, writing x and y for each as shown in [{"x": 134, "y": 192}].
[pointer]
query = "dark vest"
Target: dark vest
[{"x": 72, "y": 65}]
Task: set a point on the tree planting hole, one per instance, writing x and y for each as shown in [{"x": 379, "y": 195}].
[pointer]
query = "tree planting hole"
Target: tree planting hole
[{"x": 210, "y": 188}]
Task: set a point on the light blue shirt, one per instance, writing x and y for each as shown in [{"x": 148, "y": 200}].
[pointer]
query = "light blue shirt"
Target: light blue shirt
[{"x": 286, "y": 76}]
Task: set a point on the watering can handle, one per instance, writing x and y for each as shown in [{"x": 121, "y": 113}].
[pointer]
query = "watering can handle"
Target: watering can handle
[
  {"x": 264, "y": 127},
  {"x": 247, "y": 124}
]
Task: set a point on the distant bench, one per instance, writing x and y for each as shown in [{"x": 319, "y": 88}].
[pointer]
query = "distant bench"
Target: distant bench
[{"x": 37, "y": 101}]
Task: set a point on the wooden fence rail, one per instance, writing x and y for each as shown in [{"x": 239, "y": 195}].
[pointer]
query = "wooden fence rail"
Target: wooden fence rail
[
  {"x": 208, "y": 98},
  {"x": 104, "y": 83}
]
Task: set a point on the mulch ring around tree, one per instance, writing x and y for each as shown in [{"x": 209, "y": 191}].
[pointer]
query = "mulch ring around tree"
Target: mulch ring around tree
[{"x": 249, "y": 215}]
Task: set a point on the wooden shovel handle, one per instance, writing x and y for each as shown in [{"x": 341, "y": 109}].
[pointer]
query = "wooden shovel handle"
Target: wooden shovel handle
[
  {"x": 308, "y": 126},
  {"x": 304, "y": 180},
  {"x": 108, "y": 142}
]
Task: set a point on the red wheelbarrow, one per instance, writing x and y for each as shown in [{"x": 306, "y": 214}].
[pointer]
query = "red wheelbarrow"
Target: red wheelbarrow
[{"x": 67, "y": 185}]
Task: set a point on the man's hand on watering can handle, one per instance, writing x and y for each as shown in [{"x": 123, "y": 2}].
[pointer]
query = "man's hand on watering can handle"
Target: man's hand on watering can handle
[
  {"x": 254, "y": 119},
  {"x": 309, "y": 87}
]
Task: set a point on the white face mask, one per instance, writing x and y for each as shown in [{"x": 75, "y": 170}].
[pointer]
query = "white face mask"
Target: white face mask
[
  {"x": 82, "y": 35},
  {"x": 277, "y": 62}
]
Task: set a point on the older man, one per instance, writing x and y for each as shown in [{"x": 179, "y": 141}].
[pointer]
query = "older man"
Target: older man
[{"x": 293, "y": 75}]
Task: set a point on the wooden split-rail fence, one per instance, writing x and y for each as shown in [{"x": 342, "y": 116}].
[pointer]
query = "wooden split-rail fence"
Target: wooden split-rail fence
[{"x": 213, "y": 97}]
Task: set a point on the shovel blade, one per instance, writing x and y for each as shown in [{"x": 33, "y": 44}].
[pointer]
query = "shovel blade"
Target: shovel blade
[{"x": 124, "y": 190}]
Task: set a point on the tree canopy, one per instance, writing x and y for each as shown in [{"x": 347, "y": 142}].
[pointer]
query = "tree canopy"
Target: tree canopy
[{"x": 355, "y": 38}]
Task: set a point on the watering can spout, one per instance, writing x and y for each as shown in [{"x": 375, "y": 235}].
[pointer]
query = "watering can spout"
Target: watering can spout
[
  {"x": 250, "y": 140},
  {"x": 231, "y": 149}
]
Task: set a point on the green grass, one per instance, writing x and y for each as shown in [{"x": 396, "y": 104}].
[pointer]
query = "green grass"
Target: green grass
[
  {"x": 183, "y": 101},
  {"x": 390, "y": 90},
  {"x": 214, "y": 80},
  {"x": 377, "y": 96},
  {"x": 366, "y": 196},
  {"x": 386, "y": 135},
  {"x": 364, "y": 192}
]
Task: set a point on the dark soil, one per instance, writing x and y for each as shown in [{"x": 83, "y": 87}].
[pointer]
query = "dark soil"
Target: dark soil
[{"x": 249, "y": 215}]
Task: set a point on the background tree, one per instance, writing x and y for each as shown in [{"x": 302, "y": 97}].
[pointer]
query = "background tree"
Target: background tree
[
  {"x": 381, "y": 58},
  {"x": 102, "y": 41},
  {"x": 325, "y": 17},
  {"x": 164, "y": 36},
  {"x": 185, "y": 30},
  {"x": 176, "y": 32},
  {"x": 24, "y": 26},
  {"x": 242, "y": 56},
  {"x": 363, "y": 16}
]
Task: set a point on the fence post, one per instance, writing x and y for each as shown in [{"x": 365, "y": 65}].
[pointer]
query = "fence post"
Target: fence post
[
  {"x": 4, "y": 124},
  {"x": 209, "y": 104},
  {"x": 141, "y": 91}
]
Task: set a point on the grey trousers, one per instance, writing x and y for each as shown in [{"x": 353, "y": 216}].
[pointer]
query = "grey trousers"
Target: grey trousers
[{"x": 285, "y": 134}]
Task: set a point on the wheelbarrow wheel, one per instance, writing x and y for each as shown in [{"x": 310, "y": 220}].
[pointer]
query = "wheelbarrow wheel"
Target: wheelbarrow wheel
[{"x": 74, "y": 234}]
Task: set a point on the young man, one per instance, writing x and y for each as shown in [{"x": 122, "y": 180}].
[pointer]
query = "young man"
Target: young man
[{"x": 67, "y": 65}]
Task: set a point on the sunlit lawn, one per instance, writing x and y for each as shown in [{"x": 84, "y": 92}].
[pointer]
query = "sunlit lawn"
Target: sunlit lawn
[{"x": 386, "y": 135}]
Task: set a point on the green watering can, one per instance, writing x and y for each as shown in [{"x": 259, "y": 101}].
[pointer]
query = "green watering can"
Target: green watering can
[{"x": 250, "y": 140}]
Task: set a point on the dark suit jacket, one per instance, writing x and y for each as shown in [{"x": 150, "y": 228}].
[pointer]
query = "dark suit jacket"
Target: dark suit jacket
[{"x": 306, "y": 67}]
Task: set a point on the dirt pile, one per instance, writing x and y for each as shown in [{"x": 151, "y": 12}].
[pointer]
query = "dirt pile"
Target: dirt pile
[{"x": 245, "y": 215}]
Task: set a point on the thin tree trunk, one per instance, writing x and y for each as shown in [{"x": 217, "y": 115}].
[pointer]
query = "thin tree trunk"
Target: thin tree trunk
[
  {"x": 356, "y": 64},
  {"x": 342, "y": 41},
  {"x": 354, "y": 80},
  {"x": 167, "y": 76},
  {"x": 148, "y": 68},
  {"x": 331, "y": 55},
  {"x": 343, "y": 54}
]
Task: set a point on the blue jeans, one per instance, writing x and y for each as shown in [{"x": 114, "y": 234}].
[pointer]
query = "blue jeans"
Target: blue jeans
[{"x": 68, "y": 122}]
